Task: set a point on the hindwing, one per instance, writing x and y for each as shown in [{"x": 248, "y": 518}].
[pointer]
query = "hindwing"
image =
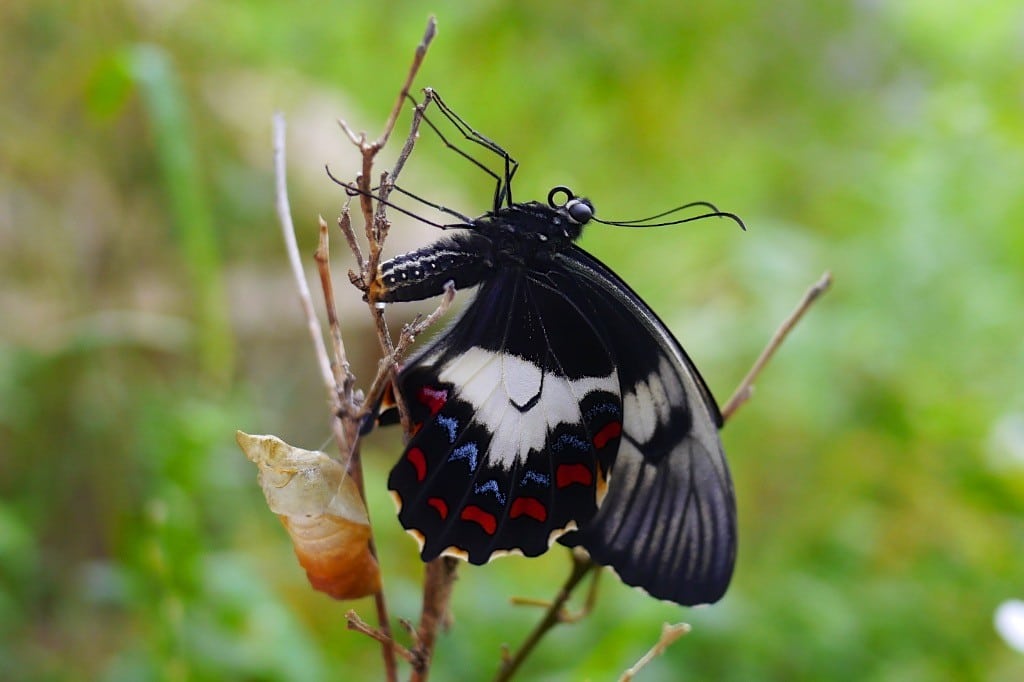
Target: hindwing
[
  {"x": 668, "y": 523},
  {"x": 517, "y": 416}
]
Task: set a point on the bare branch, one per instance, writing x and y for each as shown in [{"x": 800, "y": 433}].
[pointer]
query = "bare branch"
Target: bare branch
[
  {"x": 414, "y": 130},
  {"x": 669, "y": 634},
  {"x": 421, "y": 324},
  {"x": 345, "y": 431},
  {"x": 386, "y": 364},
  {"x": 437, "y": 589},
  {"x": 359, "y": 625},
  {"x": 746, "y": 387},
  {"x": 284, "y": 214},
  {"x": 345, "y": 224},
  {"x": 417, "y": 61},
  {"x": 510, "y": 663},
  {"x": 440, "y": 573},
  {"x": 564, "y": 615},
  {"x": 343, "y": 376},
  {"x": 357, "y": 139}
]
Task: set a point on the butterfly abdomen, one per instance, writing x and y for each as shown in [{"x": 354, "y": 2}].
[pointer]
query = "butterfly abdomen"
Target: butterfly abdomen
[{"x": 463, "y": 259}]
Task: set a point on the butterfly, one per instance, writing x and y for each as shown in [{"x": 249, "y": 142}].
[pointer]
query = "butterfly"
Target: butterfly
[{"x": 557, "y": 406}]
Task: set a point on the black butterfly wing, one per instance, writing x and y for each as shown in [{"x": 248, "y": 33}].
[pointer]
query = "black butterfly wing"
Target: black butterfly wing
[
  {"x": 668, "y": 522},
  {"x": 516, "y": 415}
]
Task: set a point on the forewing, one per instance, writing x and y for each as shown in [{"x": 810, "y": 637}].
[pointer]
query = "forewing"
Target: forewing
[
  {"x": 668, "y": 522},
  {"x": 514, "y": 425}
]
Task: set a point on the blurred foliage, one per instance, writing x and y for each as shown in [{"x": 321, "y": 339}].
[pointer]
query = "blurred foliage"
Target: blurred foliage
[{"x": 147, "y": 314}]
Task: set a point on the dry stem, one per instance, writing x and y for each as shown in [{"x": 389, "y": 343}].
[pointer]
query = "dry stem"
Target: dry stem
[
  {"x": 359, "y": 625},
  {"x": 438, "y": 579},
  {"x": 564, "y": 615},
  {"x": 344, "y": 429},
  {"x": 292, "y": 248},
  {"x": 746, "y": 387},
  {"x": 580, "y": 567},
  {"x": 440, "y": 573},
  {"x": 669, "y": 634}
]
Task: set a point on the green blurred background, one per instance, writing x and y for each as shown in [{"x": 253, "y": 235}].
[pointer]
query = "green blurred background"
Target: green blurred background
[{"x": 147, "y": 312}]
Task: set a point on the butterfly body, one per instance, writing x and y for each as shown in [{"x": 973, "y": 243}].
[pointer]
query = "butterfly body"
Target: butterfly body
[
  {"x": 557, "y": 407},
  {"x": 522, "y": 235}
]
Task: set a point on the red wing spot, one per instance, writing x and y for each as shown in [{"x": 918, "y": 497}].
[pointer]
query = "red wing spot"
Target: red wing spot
[
  {"x": 610, "y": 431},
  {"x": 440, "y": 505},
  {"x": 478, "y": 515},
  {"x": 433, "y": 398},
  {"x": 419, "y": 461},
  {"x": 567, "y": 474},
  {"x": 528, "y": 506}
]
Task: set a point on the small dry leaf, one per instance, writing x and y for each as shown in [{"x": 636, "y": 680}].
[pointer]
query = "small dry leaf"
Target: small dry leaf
[{"x": 321, "y": 508}]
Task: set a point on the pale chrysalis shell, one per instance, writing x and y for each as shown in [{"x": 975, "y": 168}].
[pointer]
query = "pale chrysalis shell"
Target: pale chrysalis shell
[{"x": 321, "y": 508}]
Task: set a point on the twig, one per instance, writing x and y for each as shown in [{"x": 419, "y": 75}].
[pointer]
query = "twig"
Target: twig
[
  {"x": 408, "y": 336},
  {"x": 343, "y": 376},
  {"x": 438, "y": 580},
  {"x": 746, "y": 387},
  {"x": 292, "y": 248},
  {"x": 344, "y": 430},
  {"x": 345, "y": 225},
  {"x": 421, "y": 324},
  {"x": 509, "y": 664},
  {"x": 376, "y": 224},
  {"x": 414, "y": 129},
  {"x": 359, "y": 625},
  {"x": 350, "y": 428},
  {"x": 417, "y": 61},
  {"x": 564, "y": 615},
  {"x": 440, "y": 574},
  {"x": 669, "y": 634}
]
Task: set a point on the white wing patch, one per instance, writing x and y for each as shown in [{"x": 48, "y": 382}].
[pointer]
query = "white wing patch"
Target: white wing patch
[
  {"x": 499, "y": 385},
  {"x": 523, "y": 380},
  {"x": 650, "y": 402}
]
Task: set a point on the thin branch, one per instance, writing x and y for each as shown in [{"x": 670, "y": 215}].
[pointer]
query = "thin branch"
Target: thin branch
[
  {"x": 388, "y": 348},
  {"x": 417, "y": 61},
  {"x": 746, "y": 388},
  {"x": 438, "y": 579},
  {"x": 669, "y": 634},
  {"x": 345, "y": 225},
  {"x": 359, "y": 625},
  {"x": 421, "y": 324},
  {"x": 344, "y": 430},
  {"x": 284, "y": 214},
  {"x": 343, "y": 376},
  {"x": 375, "y": 223},
  {"x": 564, "y": 615},
  {"x": 440, "y": 574},
  {"x": 414, "y": 130},
  {"x": 509, "y": 664},
  {"x": 408, "y": 336}
]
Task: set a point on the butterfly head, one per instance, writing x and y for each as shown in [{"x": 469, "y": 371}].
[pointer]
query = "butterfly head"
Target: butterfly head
[
  {"x": 577, "y": 210},
  {"x": 534, "y": 227}
]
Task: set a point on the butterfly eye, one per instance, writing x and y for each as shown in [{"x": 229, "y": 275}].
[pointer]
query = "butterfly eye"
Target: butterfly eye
[{"x": 580, "y": 211}]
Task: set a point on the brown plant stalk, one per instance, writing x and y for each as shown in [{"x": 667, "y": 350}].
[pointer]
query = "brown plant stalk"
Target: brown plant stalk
[
  {"x": 349, "y": 407},
  {"x": 342, "y": 425}
]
